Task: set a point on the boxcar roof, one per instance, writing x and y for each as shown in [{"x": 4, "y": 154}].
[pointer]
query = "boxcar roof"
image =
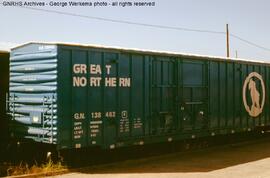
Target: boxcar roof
[
  {"x": 153, "y": 52},
  {"x": 3, "y": 51}
]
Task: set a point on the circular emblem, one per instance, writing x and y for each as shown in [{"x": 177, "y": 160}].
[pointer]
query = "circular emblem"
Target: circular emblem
[{"x": 254, "y": 104}]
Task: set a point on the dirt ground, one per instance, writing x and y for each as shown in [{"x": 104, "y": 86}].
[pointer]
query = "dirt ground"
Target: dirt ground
[{"x": 250, "y": 160}]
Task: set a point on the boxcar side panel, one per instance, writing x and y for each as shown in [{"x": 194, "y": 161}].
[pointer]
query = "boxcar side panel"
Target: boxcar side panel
[
  {"x": 124, "y": 98},
  {"x": 163, "y": 95},
  {"x": 137, "y": 99},
  {"x": 112, "y": 98},
  {"x": 237, "y": 96},
  {"x": 267, "y": 88},
  {"x": 104, "y": 96},
  {"x": 95, "y": 101},
  {"x": 195, "y": 96},
  {"x": 224, "y": 95},
  {"x": 214, "y": 98},
  {"x": 228, "y": 113},
  {"x": 4, "y": 81},
  {"x": 245, "y": 114},
  {"x": 64, "y": 90},
  {"x": 79, "y": 99}
]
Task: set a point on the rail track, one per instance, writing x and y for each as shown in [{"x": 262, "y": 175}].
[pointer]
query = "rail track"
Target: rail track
[{"x": 193, "y": 155}]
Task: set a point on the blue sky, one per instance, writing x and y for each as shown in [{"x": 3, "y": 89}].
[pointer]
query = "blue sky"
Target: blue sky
[{"x": 248, "y": 19}]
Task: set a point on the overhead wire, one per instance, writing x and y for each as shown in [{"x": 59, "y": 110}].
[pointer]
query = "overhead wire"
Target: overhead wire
[
  {"x": 125, "y": 22},
  {"x": 149, "y": 25},
  {"x": 249, "y": 42}
]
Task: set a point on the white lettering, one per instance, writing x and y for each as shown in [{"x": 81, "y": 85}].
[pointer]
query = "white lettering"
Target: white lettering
[
  {"x": 79, "y": 81},
  {"x": 95, "y": 69},
  {"x": 79, "y": 116},
  {"x": 110, "y": 82},
  {"x": 79, "y": 68},
  {"x": 95, "y": 81},
  {"x": 124, "y": 82},
  {"x": 108, "y": 67}
]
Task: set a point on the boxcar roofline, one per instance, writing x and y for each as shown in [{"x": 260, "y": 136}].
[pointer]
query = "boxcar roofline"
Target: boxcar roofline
[
  {"x": 151, "y": 52},
  {"x": 3, "y": 51}
]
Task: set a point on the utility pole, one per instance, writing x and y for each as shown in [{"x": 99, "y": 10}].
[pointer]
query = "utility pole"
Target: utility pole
[{"x": 228, "y": 45}]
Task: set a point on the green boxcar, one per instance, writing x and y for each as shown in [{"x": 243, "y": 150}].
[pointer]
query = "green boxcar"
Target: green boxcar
[
  {"x": 4, "y": 81},
  {"x": 77, "y": 96}
]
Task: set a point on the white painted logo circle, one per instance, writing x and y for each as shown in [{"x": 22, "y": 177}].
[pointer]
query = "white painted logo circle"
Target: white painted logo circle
[{"x": 257, "y": 97}]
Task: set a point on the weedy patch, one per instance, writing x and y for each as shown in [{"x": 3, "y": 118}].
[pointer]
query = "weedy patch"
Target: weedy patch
[{"x": 24, "y": 168}]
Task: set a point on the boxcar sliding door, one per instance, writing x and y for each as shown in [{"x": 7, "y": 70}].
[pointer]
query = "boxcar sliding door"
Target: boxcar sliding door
[
  {"x": 163, "y": 95},
  {"x": 193, "y": 95}
]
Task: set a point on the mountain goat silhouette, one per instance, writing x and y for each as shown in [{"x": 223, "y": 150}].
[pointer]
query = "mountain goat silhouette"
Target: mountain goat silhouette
[{"x": 255, "y": 96}]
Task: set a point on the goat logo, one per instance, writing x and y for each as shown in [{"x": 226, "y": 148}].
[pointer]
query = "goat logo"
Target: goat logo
[{"x": 252, "y": 89}]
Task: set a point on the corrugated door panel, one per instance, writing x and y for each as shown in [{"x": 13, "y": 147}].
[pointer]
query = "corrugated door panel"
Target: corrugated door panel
[
  {"x": 137, "y": 96},
  {"x": 95, "y": 99},
  {"x": 147, "y": 86},
  {"x": 155, "y": 95},
  {"x": 195, "y": 92},
  {"x": 163, "y": 94},
  {"x": 214, "y": 94},
  {"x": 223, "y": 95},
  {"x": 179, "y": 91},
  {"x": 79, "y": 99},
  {"x": 169, "y": 94}
]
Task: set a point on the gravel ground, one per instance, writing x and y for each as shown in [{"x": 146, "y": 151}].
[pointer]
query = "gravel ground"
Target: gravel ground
[{"x": 239, "y": 161}]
